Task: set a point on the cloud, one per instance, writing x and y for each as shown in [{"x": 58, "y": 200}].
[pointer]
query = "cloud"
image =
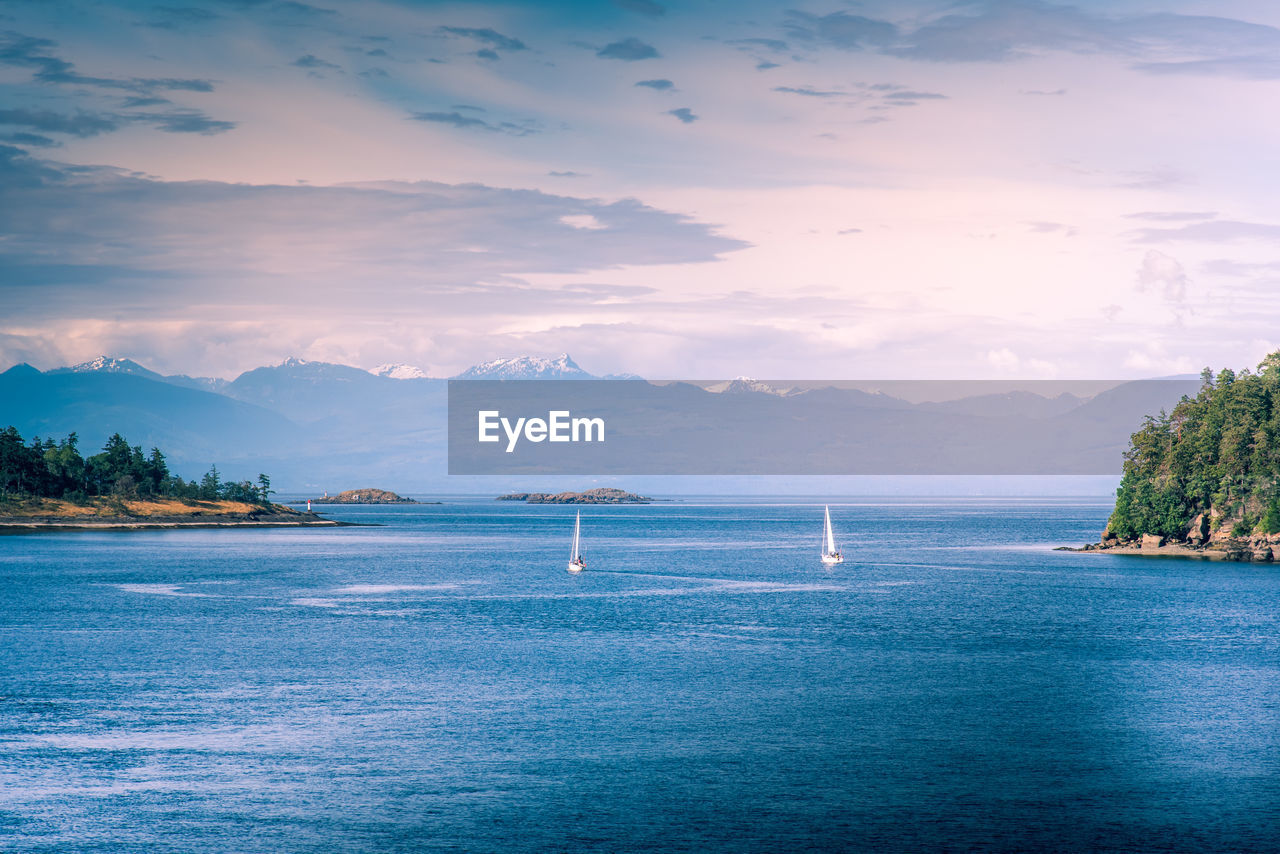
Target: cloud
[
  {"x": 1009, "y": 30},
  {"x": 661, "y": 84},
  {"x": 1151, "y": 179},
  {"x": 1161, "y": 273},
  {"x": 1043, "y": 227},
  {"x": 455, "y": 118},
  {"x": 841, "y": 29},
  {"x": 754, "y": 47},
  {"x": 23, "y": 51},
  {"x": 302, "y": 10},
  {"x": 458, "y": 120},
  {"x": 1003, "y": 359},
  {"x": 186, "y": 13},
  {"x": 312, "y": 61},
  {"x": 684, "y": 114},
  {"x": 808, "y": 92},
  {"x": 642, "y": 7},
  {"x": 629, "y": 49},
  {"x": 486, "y": 53},
  {"x": 487, "y": 36},
  {"x": 586, "y": 221},
  {"x": 17, "y": 50},
  {"x": 174, "y": 16},
  {"x": 1247, "y": 67},
  {"x": 80, "y": 124},
  {"x": 909, "y": 97},
  {"x": 184, "y": 121},
  {"x": 86, "y": 242},
  {"x": 1217, "y": 231},
  {"x": 890, "y": 96},
  {"x": 85, "y": 125},
  {"x": 565, "y": 174},
  {"x": 1227, "y": 267},
  {"x": 769, "y": 44},
  {"x": 1171, "y": 216},
  {"x": 31, "y": 140},
  {"x": 144, "y": 101}
]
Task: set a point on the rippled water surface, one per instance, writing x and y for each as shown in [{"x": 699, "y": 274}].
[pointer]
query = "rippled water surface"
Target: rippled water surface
[{"x": 440, "y": 683}]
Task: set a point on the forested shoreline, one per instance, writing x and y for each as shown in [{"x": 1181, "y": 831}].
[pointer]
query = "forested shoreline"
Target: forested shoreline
[
  {"x": 51, "y": 468},
  {"x": 1210, "y": 468}
]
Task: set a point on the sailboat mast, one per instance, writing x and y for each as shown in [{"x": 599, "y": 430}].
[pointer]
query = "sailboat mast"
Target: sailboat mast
[
  {"x": 577, "y": 525},
  {"x": 828, "y": 538}
]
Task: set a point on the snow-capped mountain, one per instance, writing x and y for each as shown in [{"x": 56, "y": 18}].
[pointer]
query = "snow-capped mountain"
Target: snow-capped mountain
[
  {"x": 109, "y": 365},
  {"x": 526, "y": 368},
  {"x": 399, "y": 372},
  {"x": 744, "y": 385},
  {"x": 113, "y": 365}
]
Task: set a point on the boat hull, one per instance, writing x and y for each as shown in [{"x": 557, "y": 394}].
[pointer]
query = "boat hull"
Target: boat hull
[
  {"x": 831, "y": 560},
  {"x": 576, "y": 567}
]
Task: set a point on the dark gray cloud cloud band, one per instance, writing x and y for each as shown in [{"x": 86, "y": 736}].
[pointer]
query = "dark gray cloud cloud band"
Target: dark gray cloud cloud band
[
  {"x": 1007, "y": 30},
  {"x": 98, "y": 238},
  {"x": 630, "y": 49}
]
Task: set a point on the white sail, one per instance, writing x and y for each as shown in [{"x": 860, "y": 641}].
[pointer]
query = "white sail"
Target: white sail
[
  {"x": 829, "y": 553},
  {"x": 576, "y": 563}
]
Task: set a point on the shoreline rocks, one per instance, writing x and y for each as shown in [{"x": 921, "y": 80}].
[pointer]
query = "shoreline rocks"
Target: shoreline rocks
[
  {"x": 1259, "y": 548},
  {"x": 601, "y": 495}
]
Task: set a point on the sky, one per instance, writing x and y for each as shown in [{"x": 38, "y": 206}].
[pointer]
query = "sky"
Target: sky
[{"x": 990, "y": 190}]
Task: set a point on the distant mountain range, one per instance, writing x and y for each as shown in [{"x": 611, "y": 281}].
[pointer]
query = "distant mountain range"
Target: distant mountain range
[
  {"x": 309, "y": 424},
  {"x": 519, "y": 368},
  {"x": 318, "y": 425}
]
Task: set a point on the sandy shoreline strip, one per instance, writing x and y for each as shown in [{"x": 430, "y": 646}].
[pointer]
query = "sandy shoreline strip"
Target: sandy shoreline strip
[
  {"x": 1172, "y": 550},
  {"x": 19, "y": 526}
]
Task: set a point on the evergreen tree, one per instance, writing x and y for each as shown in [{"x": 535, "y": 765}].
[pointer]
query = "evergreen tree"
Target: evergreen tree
[
  {"x": 55, "y": 469},
  {"x": 1218, "y": 451},
  {"x": 210, "y": 485}
]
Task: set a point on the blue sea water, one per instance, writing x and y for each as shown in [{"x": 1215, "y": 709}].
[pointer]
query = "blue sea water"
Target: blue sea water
[{"x": 441, "y": 683}]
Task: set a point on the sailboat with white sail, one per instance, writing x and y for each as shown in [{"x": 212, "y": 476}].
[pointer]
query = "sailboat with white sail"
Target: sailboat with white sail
[
  {"x": 830, "y": 555},
  {"x": 576, "y": 563}
]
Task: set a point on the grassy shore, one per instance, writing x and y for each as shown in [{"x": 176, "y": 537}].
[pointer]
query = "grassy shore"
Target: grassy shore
[{"x": 113, "y": 512}]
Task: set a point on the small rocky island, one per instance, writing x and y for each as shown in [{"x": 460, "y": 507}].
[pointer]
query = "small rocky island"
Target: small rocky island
[
  {"x": 364, "y": 496},
  {"x": 601, "y": 495},
  {"x": 1203, "y": 481}
]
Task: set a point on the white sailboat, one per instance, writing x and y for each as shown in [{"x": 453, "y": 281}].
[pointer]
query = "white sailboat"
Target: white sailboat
[
  {"x": 576, "y": 563},
  {"x": 829, "y": 553}
]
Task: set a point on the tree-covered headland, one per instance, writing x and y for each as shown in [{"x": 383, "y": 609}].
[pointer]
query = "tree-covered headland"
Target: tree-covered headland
[
  {"x": 56, "y": 469},
  {"x": 1212, "y": 465}
]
